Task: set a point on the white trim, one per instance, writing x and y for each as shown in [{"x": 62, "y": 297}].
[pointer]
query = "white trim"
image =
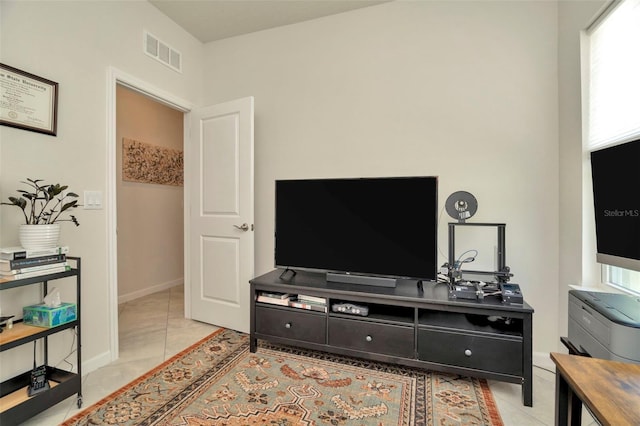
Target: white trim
[
  {"x": 115, "y": 77},
  {"x": 543, "y": 360},
  {"x": 604, "y": 11},
  {"x": 597, "y": 288},
  {"x": 110, "y": 198},
  {"x": 123, "y": 298},
  {"x": 187, "y": 213},
  {"x": 153, "y": 92},
  {"x": 96, "y": 362}
]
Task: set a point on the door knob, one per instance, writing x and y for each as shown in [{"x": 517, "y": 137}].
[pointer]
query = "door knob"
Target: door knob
[{"x": 243, "y": 227}]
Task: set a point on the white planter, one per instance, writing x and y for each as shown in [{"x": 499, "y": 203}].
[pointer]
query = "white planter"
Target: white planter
[{"x": 39, "y": 236}]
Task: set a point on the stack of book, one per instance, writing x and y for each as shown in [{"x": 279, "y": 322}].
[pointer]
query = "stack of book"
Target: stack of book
[
  {"x": 18, "y": 263},
  {"x": 274, "y": 298},
  {"x": 300, "y": 301},
  {"x": 311, "y": 303}
]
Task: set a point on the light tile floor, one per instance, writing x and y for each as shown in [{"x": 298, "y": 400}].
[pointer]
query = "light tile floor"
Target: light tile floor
[
  {"x": 508, "y": 398},
  {"x": 153, "y": 328}
]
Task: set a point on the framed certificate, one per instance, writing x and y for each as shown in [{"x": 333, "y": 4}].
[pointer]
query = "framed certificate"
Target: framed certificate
[{"x": 27, "y": 101}]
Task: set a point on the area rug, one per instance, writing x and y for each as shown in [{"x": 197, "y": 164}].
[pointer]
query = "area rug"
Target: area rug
[{"x": 218, "y": 381}]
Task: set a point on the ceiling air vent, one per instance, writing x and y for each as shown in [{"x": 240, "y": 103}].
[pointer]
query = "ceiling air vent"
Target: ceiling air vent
[{"x": 162, "y": 52}]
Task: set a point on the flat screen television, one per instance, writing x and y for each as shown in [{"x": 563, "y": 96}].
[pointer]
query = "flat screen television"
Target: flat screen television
[
  {"x": 616, "y": 199},
  {"x": 358, "y": 230}
]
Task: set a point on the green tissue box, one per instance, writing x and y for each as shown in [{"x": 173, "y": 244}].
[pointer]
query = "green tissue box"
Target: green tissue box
[{"x": 45, "y": 316}]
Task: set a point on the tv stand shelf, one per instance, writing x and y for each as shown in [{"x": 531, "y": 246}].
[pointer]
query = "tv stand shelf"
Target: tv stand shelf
[{"x": 406, "y": 325}]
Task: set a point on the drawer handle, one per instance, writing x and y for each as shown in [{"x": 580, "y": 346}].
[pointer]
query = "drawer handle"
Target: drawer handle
[
  {"x": 467, "y": 352},
  {"x": 287, "y": 325},
  {"x": 368, "y": 338}
]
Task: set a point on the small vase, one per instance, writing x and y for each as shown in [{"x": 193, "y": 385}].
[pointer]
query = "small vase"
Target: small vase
[{"x": 39, "y": 236}]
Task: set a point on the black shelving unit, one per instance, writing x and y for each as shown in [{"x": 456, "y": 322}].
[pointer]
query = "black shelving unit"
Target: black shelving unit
[
  {"x": 407, "y": 325},
  {"x": 15, "y": 404}
]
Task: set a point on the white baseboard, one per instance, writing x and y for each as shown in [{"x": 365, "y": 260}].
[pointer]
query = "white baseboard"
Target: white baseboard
[
  {"x": 542, "y": 359},
  {"x": 96, "y": 362},
  {"x": 122, "y": 298}
]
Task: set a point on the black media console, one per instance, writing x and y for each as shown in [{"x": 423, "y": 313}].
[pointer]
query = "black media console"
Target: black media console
[{"x": 405, "y": 325}]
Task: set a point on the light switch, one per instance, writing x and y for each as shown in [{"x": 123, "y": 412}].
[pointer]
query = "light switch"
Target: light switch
[{"x": 92, "y": 200}]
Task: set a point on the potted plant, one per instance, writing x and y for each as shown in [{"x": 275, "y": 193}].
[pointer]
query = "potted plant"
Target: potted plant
[{"x": 43, "y": 206}]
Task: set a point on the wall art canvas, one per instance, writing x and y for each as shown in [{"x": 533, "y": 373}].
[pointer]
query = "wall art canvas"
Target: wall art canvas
[{"x": 146, "y": 163}]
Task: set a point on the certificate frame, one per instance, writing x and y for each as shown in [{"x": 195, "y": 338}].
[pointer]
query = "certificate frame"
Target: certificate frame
[{"x": 27, "y": 101}]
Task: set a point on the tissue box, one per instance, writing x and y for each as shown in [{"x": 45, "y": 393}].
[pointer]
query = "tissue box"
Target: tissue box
[{"x": 45, "y": 316}]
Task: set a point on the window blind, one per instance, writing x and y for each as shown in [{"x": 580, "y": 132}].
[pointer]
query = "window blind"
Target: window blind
[{"x": 614, "y": 77}]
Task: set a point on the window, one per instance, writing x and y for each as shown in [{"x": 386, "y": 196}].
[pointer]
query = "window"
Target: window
[
  {"x": 624, "y": 279},
  {"x": 614, "y": 95}
]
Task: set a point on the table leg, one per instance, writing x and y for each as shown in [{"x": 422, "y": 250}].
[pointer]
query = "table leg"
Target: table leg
[
  {"x": 562, "y": 401},
  {"x": 527, "y": 391},
  {"x": 568, "y": 405},
  {"x": 575, "y": 409}
]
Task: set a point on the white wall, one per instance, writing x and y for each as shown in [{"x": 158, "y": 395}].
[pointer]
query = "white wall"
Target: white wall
[
  {"x": 74, "y": 43},
  {"x": 467, "y": 91},
  {"x": 573, "y": 18}
]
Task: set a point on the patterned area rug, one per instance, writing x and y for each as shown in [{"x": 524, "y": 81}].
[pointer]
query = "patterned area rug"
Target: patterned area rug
[{"x": 218, "y": 381}]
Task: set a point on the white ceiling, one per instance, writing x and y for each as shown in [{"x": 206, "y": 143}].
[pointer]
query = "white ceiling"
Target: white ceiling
[{"x": 210, "y": 20}]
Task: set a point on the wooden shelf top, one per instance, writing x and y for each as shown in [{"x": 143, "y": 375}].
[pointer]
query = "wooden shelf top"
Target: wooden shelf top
[
  {"x": 18, "y": 397},
  {"x": 610, "y": 389},
  {"x": 19, "y": 331}
]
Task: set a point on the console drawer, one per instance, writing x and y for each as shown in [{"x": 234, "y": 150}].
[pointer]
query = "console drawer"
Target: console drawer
[
  {"x": 471, "y": 351},
  {"x": 305, "y": 326},
  {"x": 371, "y": 337}
]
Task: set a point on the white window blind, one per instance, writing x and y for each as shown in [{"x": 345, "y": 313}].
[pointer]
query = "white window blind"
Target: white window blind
[{"x": 614, "y": 77}]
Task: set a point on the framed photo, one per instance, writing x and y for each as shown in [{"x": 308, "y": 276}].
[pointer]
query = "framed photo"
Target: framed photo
[{"x": 27, "y": 101}]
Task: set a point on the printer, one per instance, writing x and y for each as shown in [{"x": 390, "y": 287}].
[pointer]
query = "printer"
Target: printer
[{"x": 605, "y": 325}]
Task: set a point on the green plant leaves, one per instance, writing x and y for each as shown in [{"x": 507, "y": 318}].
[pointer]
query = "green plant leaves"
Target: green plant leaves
[{"x": 44, "y": 203}]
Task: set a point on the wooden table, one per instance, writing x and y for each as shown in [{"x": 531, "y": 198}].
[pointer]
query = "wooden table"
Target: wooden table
[{"x": 609, "y": 389}]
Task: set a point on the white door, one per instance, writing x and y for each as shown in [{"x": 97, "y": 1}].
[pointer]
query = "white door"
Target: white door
[{"x": 220, "y": 233}]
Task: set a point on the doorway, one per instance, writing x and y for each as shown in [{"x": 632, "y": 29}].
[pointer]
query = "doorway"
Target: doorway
[
  {"x": 118, "y": 80},
  {"x": 150, "y": 195},
  {"x": 223, "y": 128},
  {"x": 150, "y": 217}
]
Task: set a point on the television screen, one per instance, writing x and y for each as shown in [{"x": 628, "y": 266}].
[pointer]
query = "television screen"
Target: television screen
[
  {"x": 370, "y": 226},
  {"x": 616, "y": 201}
]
